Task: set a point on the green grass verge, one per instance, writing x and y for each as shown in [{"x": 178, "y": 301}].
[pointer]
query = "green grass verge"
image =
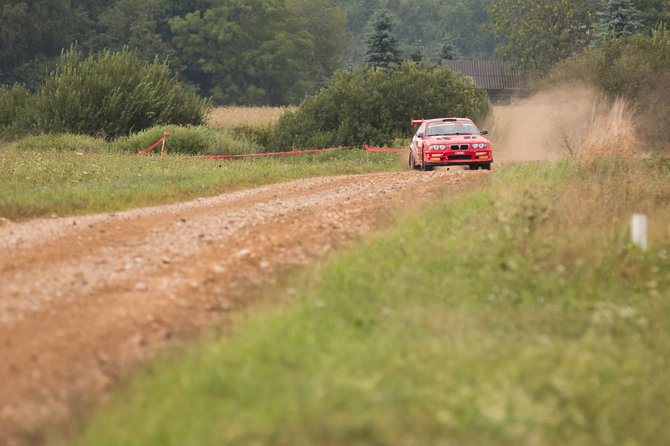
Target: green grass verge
[
  {"x": 53, "y": 179},
  {"x": 494, "y": 318}
]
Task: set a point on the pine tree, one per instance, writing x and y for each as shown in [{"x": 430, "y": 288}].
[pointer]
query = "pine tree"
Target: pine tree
[
  {"x": 617, "y": 18},
  {"x": 417, "y": 54},
  {"x": 449, "y": 50},
  {"x": 382, "y": 45}
]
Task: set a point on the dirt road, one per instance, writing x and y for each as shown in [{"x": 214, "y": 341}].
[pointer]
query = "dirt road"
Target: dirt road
[{"x": 83, "y": 299}]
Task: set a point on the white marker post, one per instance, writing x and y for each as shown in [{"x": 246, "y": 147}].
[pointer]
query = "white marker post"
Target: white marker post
[{"x": 638, "y": 230}]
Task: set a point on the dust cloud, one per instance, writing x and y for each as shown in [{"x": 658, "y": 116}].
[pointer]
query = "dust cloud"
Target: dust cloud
[{"x": 548, "y": 125}]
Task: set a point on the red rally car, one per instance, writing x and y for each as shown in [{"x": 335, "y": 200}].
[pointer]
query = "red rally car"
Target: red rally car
[{"x": 448, "y": 142}]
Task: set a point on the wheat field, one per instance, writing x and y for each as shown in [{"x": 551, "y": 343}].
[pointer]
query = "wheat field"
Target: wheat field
[{"x": 231, "y": 116}]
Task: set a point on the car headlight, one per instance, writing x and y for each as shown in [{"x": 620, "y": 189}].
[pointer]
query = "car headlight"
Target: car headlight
[
  {"x": 438, "y": 147},
  {"x": 479, "y": 146}
]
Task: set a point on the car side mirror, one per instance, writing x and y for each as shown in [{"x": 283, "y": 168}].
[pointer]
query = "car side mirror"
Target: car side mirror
[
  {"x": 485, "y": 132},
  {"x": 419, "y": 135}
]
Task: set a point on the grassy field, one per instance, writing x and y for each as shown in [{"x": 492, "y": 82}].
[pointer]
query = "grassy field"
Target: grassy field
[
  {"x": 42, "y": 183},
  {"x": 516, "y": 314}
]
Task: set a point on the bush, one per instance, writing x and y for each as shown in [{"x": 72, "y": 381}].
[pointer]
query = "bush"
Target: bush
[
  {"x": 188, "y": 141},
  {"x": 113, "y": 94},
  {"x": 374, "y": 106},
  {"x": 635, "y": 68}
]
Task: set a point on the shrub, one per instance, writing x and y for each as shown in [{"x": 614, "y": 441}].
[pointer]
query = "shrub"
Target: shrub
[
  {"x": 374, "y": 106},
  {"x": 198, "y": 140},
  {"x": 113, "y": 94}
]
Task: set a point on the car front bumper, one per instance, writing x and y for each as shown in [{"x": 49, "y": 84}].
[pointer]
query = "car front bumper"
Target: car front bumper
[{"x": 460, "y": 158}]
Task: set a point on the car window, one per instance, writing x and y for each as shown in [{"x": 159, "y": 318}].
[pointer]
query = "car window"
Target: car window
[
  {"x": 422, "y": 129},
  {"x": 451, "y": 129}
]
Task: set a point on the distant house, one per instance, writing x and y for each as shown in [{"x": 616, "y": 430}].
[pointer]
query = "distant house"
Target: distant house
[{"x": 503, "y": 84}]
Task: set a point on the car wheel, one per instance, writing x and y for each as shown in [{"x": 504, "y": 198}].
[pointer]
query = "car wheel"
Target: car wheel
[
  {"x": 486, "y": 166},
  {"x": 427, "y": 168},
  {"x": 473, "y": 166},
  {"x": 412, "y": 163}
]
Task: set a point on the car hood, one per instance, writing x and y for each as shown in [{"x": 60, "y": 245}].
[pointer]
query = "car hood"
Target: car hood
[{"x": 456, "y": 139}]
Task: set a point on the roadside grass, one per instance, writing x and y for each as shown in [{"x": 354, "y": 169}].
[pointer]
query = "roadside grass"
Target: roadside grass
[
  {"x": 516, "y": 314},
  {"x": 38, "y": 183}
]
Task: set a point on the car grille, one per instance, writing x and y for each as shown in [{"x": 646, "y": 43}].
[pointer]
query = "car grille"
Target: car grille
[
  {"x": 459, "y": 147},
  {"x": 459, "y": 157}
]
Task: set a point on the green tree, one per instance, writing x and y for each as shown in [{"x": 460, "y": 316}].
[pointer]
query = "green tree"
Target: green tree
[
  {"x": 425, "y": 21},
  {"x": 259, "y": 52},
  {"x": 132, "y": 24},
  {"x": 175, "y": 8},
  {"x": 327, "y": 25},
  {"x": 654, "y": 13},
  {"x": 383, "y": 48},
  {"x": 538, "y": 34},
  {"x": 31, "y": 33},
  {"x": 449, "y": 50},
  {"x": 417, "y": 54},
  {"x": 617, "y": 18}
]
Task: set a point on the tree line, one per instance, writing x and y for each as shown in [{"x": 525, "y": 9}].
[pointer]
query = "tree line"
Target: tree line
[
  {"x": 235, "y": 51},
  {"x": 278, "y": 51}
]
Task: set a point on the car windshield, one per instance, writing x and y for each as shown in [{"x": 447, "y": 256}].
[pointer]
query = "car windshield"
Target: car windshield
[{"x": 451, "y": 129}]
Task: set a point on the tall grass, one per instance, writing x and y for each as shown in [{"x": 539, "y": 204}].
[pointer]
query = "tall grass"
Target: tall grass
[
  {"x": 519, "y": 313},
  {"x": 612, "y": 132}
]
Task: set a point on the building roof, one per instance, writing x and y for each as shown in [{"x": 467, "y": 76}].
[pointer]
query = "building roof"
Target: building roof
[{"x": 489, "y": 74}]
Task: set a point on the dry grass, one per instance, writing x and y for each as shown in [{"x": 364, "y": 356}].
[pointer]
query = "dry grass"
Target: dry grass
[
  {"x": 617, "y": 179},
  {"x": 612, "y": 133},
  {"x": 230, "y": 117}
]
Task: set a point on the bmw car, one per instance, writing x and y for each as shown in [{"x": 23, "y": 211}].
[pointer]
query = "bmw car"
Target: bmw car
[{"x": 449, "y": 142}]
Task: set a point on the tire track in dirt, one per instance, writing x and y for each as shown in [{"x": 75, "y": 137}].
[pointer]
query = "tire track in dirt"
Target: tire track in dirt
[{"x": 83, "y": 299}]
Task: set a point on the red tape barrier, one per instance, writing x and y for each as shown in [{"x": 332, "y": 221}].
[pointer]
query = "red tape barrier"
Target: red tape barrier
[{"x": 154, "y": 146}]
